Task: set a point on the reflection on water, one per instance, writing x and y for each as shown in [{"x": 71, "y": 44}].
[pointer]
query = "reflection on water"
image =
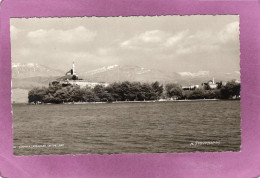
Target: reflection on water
[{"x": 158, "y": 127}]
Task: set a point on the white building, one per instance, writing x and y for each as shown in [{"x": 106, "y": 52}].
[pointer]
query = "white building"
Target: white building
[
  {"x": 71, "y": 78},
  {"x": 212, "y": 84}
]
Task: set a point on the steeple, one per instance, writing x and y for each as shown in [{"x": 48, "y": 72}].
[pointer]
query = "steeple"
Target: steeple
[
  {"x": 213, "y": 81},
  {"x": 73, "y": 69}
]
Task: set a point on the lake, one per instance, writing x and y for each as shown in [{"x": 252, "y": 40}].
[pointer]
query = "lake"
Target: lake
[{"x": 152, "y": 127}]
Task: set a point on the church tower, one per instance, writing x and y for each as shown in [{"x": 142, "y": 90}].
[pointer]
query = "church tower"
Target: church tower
[{"x": 73, "y": 69}]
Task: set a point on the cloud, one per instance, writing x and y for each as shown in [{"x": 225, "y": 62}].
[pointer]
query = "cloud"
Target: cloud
[
  {"x": 205, "y": 41},
  {"x": 148, "y": 39},
  {"x": 229, "y": 33},
  {"x": 175, "y": 39},
  {"x": 185, "y": 42},
  {"x": 76, "y": 35},
  {"x": 152, "y": 36},
  {"x": 24, "y": 52},
  {"x": 104, "y": 51},
  {"x": 190, "y": 46},
  {"x": 14, "y": 32}
]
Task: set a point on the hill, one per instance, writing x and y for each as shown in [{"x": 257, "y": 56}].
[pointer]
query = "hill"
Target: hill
[{"x": 27, "y": 76}]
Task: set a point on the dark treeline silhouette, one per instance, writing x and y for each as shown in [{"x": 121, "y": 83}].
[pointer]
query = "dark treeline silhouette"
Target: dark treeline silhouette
[
  {"x": 129, "y": 91},
  {"x": 125, "y": 91},
  {"x": 229, "y": 91}
]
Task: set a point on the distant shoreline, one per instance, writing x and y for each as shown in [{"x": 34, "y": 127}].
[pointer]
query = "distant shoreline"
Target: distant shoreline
[{"x": 151, "y": 101}]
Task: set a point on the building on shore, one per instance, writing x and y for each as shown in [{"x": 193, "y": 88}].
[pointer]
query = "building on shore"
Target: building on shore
[
  {"x": 211, "y": 84},
  {"x": 71, "y": 78},
  {"x": 190, "y": 87}
]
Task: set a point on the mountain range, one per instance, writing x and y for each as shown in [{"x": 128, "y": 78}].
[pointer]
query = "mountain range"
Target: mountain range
[{"x": 30, "y": 75}]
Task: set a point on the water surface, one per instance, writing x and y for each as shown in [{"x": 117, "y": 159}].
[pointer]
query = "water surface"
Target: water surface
[{"x": 157, "y": 127}]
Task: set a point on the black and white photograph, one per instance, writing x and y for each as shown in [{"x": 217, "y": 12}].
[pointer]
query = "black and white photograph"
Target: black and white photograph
[{"x": 115, "y": 85}]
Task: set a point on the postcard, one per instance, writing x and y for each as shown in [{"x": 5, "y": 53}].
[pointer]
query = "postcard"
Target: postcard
[
  {"x": 95, "y": 85},
  {"x": 129, "y": 88}
]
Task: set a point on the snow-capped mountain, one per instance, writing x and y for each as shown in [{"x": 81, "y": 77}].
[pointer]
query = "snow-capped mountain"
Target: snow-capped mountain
[
  {"x": 27, "y": 76},
  {"x": 30, "y": 75},
  {"x": 20, "y": 70},
  {"x": 194, "y": 74},
  {"x": 100, "y": 70},
  {"x": 115, "y": 73}
]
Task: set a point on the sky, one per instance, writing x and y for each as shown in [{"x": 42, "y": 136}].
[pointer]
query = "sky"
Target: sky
[{"x": 181, "y": 44}]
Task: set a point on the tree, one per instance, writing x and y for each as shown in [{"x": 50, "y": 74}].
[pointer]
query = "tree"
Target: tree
[
  {"x": 36, "y": 95},
  {"x": 128, "y": 91},
  {"x": 102, "y": 94},
  {"x": 197, "y": 94},
  {"x": 49, "y": 98},
  {"x": 146, "y": 92},
  {"x": 231, "y": 89},
  {"x": 125, "y": 90},
  {"x": 115, "y": 90},
  {"x": 89, "y": 95},
  {"x": 206, "y": 86},
  {"x": 62, "y": 95},
  {"x": 134, "y": 91},
  {"x": 158, "y": 89},
  {"x": 174, "y": 90},
  {"x": 219, "y": 85},
  {"x": 76, "y": 94},
  {"x": 209, "y": 94}
]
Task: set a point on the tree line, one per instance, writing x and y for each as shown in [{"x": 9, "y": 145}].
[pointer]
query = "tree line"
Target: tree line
[
  {"x": 229, "y": 91},
  {"x": 128, "y": 91}
]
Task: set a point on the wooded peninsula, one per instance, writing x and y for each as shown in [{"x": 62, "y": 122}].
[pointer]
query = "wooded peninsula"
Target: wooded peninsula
[{"x": 130, "y": 91}]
